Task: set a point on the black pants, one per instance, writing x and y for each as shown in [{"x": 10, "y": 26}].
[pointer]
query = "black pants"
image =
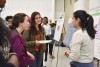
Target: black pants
[
  {"x": 50, "y": 48},
  {"x": 77, "y": 64}
]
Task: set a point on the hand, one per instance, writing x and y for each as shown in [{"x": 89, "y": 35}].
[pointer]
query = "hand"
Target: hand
[
  {"x": 67, "y": 52},
  {"x": 37, "y": 43},
  {"x": 29, "y": 54}
]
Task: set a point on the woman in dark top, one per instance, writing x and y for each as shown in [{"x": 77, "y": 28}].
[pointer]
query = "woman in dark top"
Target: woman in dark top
[
  {"x": 4, "y": 46},
  {"x": 18, "y": 44},
  {"x": 4, "y": 43}
]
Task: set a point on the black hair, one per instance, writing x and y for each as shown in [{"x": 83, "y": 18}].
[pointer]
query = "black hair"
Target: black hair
[
  {"x": 17, "y": 19},
  {"x": 46, "y": 19},
  {"x": 33, "y": 29},
  {"x": 8, "y": 17},
  {"x": 53, "y": 24},
  {"x": 86, "y": 22},
  {"x": 4, "y": 32}
]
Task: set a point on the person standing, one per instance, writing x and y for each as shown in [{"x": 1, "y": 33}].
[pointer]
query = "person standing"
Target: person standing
[
  {"x": 18, "y": 43},
  {"x": 9, "y": 21},
  {"x": 32, "y": 36},
  {"x": 47, "y": 28},
  {"x": 81, "y": 51},
  {"x": 53, "y": 26},
  {"x": 4, "y": 43}
]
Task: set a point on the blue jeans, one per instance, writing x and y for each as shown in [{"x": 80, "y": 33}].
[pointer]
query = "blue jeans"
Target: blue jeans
[
  {"x": 37, "y": 62},
  {"x": 77, "y": 64}
]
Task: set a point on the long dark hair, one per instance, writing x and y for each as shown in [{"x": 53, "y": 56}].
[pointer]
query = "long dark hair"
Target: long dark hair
[
  {"x": 33, "y": 29},
  {"x": 4, "y": 32},
  {"x": 86, "y": 22},
  {"x": 17, "y": 19}
]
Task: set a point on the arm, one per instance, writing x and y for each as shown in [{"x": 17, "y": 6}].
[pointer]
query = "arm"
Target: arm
[
  {"x": 26, "y": 36},
  {"x": 49, "y": 30},
  {"x": 44, "y": 45},
  {"x": 74, "y": 52},
  {"x": 19, "y": 48},
  {"x": 3, "y": 62}
]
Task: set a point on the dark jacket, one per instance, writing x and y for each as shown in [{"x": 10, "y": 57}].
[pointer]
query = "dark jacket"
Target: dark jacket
[
  {"x": 31, "y": 42},
  {"x": 18, "y": 46}
]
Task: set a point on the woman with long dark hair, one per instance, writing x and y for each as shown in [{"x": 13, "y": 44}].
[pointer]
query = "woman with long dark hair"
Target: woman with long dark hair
[
  {"x": 4, "y": 43},
  {"x": 32, "y": 36},
  {"x": 81, "y": 50}
]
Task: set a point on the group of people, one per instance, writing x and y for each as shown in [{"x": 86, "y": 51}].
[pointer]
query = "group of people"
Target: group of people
[
  {"x": 19, "y": 46},
  {"x": 19, "y": 40}
]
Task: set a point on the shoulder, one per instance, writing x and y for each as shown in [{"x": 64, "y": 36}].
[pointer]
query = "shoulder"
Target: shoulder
[
  {"x": 26, "y": 31},
  {"x": 78, "y": 32},
  {"x": 14, "y": 36}
]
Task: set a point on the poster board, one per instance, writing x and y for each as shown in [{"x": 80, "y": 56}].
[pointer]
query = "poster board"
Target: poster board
[
  {"x": 58, "y": 29},
  {"x": 97, "y": 49},
  {"x": 97, "y": 37}
]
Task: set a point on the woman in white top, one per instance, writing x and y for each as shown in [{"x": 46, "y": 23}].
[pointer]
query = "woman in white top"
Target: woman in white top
[{"x": 82, "y": 44}]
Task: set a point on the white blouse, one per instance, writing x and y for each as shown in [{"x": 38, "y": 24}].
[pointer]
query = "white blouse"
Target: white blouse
[{"x": 82, "y": 47}]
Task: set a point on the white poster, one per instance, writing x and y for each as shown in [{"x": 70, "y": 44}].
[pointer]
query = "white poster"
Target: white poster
[
  {"x": 98, "y": 30},
  {"x": 97, "y": 37},
  {"x": 58, "y": 30},
  {"x": 97, "y": 49}
]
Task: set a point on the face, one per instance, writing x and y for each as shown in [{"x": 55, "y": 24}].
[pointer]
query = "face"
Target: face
[
  {"x": 44, "y": 20},
  {"x": 37, "y": 19},
  {"x": 9, "y": 23},
  {"x": 75, "y": 22},
  {"x": 25, "y": 25},
  {"x": 2, "y": 3}
]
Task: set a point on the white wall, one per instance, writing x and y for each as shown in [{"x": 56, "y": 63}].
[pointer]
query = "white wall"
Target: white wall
[
  {"x": 94, "y": 6},
  {"x": 81, "y": 5},
  {"x": 28, "y": 6},
  {"x": 60, "y": 9}
]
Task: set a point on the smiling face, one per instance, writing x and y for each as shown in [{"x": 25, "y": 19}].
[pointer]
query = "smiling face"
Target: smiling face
[
  {"x": 38, "y": 19},
  {"x": 2, "y": 3}
]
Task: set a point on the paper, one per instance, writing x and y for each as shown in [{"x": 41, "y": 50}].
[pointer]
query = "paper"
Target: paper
[
  {"x": 98, "y": 30},
  {"x": 44, "y": 41},
  {"x": 97, "y": 49},
  {"x": 58, "y": 29},
  {"x": 97, "y": 26}
]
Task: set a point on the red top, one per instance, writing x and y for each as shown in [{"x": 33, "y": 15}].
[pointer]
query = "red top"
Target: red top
[{"x": 38, "y": 37}]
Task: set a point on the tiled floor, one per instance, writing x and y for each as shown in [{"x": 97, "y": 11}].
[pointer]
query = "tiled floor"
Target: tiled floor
[{"x": 62, "y": 60}]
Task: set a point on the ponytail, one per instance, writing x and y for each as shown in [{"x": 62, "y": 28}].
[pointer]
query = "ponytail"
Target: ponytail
[
  {"x": 86, "y": 22},
  {"x": 89, "y": 27}
]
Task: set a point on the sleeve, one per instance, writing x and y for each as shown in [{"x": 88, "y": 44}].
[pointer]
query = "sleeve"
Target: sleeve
[
  {"x": 19, "y": 48},
  {"x": 44, "y": 45},
  {"x": 75, "y": 46},
  {"x": 52, "y": 31},
  {"x": 26, "y": 36},
  {"x": 49, "y": 29}
]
